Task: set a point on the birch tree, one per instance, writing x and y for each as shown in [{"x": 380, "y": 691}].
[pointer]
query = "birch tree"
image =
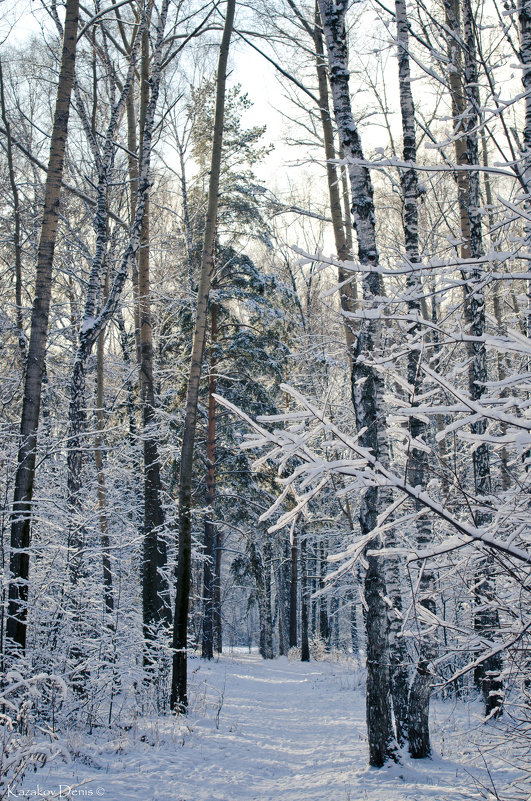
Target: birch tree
[
  {"x": 466, "y": 105},
  {"x": 366, "y": 385},
  {"x": 419, "y": 694},
  {"x": 93, "y": 323}
]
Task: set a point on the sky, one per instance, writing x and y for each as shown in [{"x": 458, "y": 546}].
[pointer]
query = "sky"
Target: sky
[
  {"x": 24, "y": 18},
  {"x": 285, "y": 166}
]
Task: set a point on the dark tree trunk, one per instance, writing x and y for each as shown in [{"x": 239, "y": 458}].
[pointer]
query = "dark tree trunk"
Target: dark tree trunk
[
  {"x": 25, "y": 474},
  {"x": 155, "y": 589},
  {"x": 207, "y": 648},
  {"x": 314, "y": 604},
  {"x": 305, "y": 645},
  {"x": 282, "y": 599},
  {"x": 179, "y": 696},
  {"x": 378, "y": 700},
  {"x": 268, "y": 617},
  {"x": 324, "y": 628},
  {"x": 260, "y": 566},
  {"x": 293, "y": 589},
  {"x": 216, "y": 591}
]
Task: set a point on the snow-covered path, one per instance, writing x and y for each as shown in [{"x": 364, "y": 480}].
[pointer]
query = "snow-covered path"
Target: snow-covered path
[
  {"x": 286, "y": 731},
  {"x": 281, "y": 736}
]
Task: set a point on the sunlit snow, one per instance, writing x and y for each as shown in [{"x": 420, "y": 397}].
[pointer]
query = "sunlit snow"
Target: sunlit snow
[{"x": 273, "y": 731}]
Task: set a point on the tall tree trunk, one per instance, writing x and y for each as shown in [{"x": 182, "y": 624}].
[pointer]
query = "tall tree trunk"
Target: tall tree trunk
[
  {"x": 324, "y": 628},
  {"x": 293, "y": 589},
  {"x": 25, "y": 473},
  {"x": 155, "y": 590},
  {"x": 501, "y": 358},
  {"x": 354, "y": 637},
  {"x": 268, "y": 616},
  {"x": 99, "y": 445},
  {"x": 179, "y": 699},
  {"x": 135, "y": 492},
  {"x": 95, "y": 317},
  {"x": 17, "y": 244},
  {"x": 342, "y": 240},
  {"x": 378, "y": 698},
  {"x": 524, "y": 19},
  {"x": 312, "y": 570},
  {"x": 305, "y": 645},
  {"x": 94, "y": 321},
  {"x": 260, "y": 566},
  {"x": 216, "y": 591},
  {"x": 417, "y": 707},
  {"x": 333, "y": 638},
  {"x": 367, "y": 385},
  {"x": 282, "y": 598},
  {"x": 465, "y": 99},
  {"x": 207, "y": 649}
]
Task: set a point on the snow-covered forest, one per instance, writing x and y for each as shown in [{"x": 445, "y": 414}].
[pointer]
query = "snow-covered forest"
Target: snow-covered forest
[{"x": 265, "y": 386}]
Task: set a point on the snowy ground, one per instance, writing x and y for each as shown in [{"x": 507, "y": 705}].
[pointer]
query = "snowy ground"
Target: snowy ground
[{"x": 272, "y": 731}]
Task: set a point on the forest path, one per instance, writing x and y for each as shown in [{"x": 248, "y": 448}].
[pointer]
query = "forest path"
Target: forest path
[{"x": 286, "y": 731}]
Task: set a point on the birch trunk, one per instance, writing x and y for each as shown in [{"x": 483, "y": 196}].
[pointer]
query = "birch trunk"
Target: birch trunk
[
  {"x": 354, "y": 638},
  {"x": 348, "y": 292},
  {"x": 135, "y": 493},
  {"x": 501, "y": 359},
  {"x": 99, "y": 446},
  {"x": 17, "y": 244},
  {"x": 93, "y": 323},
  {"x": 418, "y": 707},
  {"x": 324, "y": 627},
  {"x": 179, "y": 699},
  {"x": 367, "y": 385},
  {"x": 524, "y": 20},
  {"x": 465, "y": 99},
  {"x": 25, "y": 474}
]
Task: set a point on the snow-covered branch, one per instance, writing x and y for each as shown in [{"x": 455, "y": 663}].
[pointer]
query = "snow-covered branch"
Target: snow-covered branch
[{"x": 286, "y": 444}]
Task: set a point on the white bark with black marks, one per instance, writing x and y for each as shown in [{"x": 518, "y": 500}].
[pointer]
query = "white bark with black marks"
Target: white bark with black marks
[
  {"x": 94, "y": 322},
  {"x": 466, "y": 105},
  {"x": 367, "y": 384},
  {"x": 417, "y": 732}
]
